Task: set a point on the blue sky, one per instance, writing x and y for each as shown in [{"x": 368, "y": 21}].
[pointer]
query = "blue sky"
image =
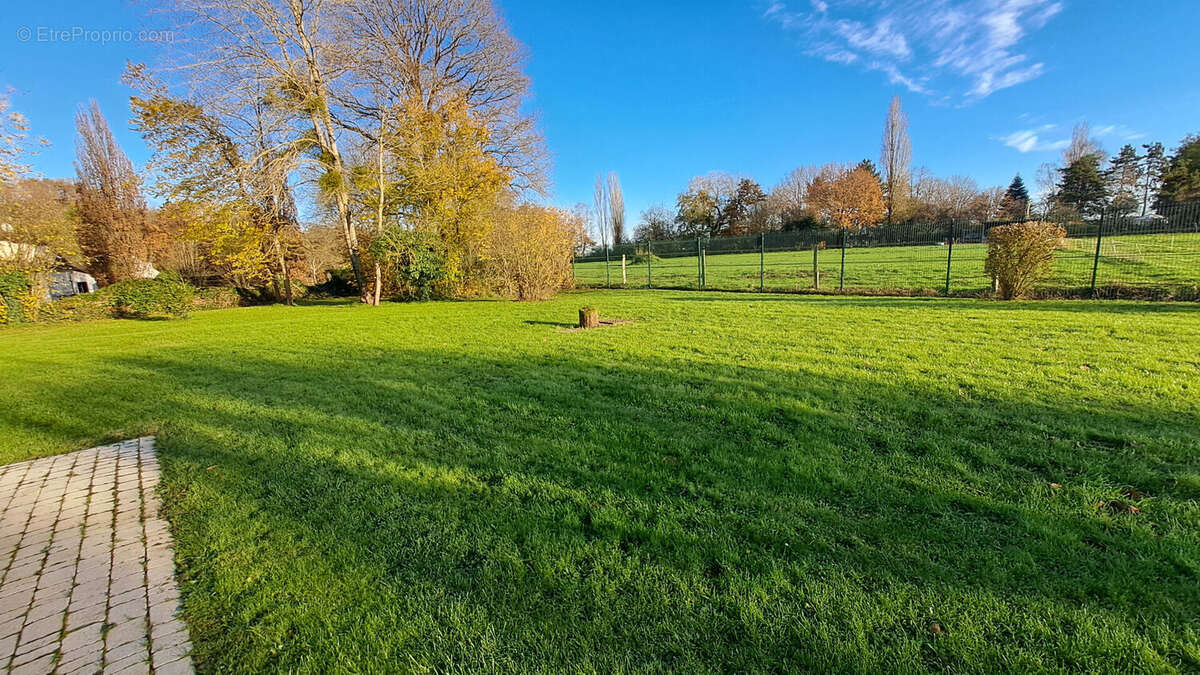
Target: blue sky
[{"x": 661, "y": 92}]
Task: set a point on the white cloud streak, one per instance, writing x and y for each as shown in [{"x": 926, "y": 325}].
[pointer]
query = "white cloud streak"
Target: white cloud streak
[
  {"x": 1039, "y": 139},
  {"x": 967, "y": 48},
  {"x": 1031, "y": 140}
]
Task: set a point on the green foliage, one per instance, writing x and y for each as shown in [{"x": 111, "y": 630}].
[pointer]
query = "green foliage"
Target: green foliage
[
  {"x": 416, "y": 258},
  {"x": 1181, "y": 181},
  {"x": 14, "y": 287},
  {"x": 166, "y": 297},
  {"x": 1123, "y": 177},
  {"x": 221, "y": 297},
  {"x": 340, "y": 284},
  {"x": 1016, "y": 199},
  {"x": 1081, "y": 186}
]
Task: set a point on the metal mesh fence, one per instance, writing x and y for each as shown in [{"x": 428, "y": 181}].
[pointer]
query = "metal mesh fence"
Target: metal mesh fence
[{"x": 1113, "y": 256}]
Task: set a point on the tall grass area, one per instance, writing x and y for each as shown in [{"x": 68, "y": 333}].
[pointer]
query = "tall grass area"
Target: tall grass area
[
  {"x": 727, "y": 482},
  {"x": 1166, "y": 263}
]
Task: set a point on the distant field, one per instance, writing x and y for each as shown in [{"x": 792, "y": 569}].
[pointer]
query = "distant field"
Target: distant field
[
  {"x": 726, "y": 483},
  {"x": 1166, "y": 261}
]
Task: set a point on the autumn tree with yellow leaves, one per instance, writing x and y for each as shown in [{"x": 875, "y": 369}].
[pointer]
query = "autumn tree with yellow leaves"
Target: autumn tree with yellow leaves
[{"x": 851, "y": 198}]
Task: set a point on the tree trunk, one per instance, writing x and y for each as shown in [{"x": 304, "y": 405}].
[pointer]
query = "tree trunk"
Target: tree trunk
[
  {"x": 589, "y": 317},
  {"x": 378, "y": 285},
  {"x": 288, "y": 299}
]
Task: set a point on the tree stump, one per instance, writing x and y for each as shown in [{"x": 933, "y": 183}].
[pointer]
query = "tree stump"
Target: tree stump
[{"x": 589, "y": 317}]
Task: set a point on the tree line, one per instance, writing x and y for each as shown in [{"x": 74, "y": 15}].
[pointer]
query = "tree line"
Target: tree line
[{"x": 1082, "y": 185}]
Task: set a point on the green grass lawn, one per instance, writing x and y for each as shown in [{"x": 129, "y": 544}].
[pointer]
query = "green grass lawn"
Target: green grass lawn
[
  {"x": 729, "y": 482},
  {"x": 1165, "y": 261}
]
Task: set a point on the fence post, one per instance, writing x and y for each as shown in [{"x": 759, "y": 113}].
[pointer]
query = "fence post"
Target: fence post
[
  {"x": 1096, "y": 260},
  {"x": 607, "y": 273},
  {"x": 704, "y": 268},
  {"x": 816, "y": 269},
  {"x": 949, "y": 256},
  {"x": 762, "y": 262},
  {"x": 699, "y": 267},
  {"x": 624, "y": 278},
  {"x": 842, "y": 274},
  {"x": 649, "y": 266}
]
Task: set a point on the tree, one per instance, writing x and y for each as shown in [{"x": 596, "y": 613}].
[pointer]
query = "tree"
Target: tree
[
  {"x": 1081, "y": 144},
  {"x": 616, "y": 208},
  {"x": 427, "y": 53},
  {"x": 959, "y": 197},
  {"x": 895, "y": 157},
  {"x": 600, "y": 209},
  {"x": 657, "y": 222},
  {"x": 13, "y": 146},
  {"x": 869, "y": 166},
  {"x": 578, "y": 220},
  {"x": 227, "y": 177},
  {"x": 283, "y": 53},
  {"x": 324, "y": 250},
  {"x": 789, "y": 197},
  {"x": 1154, "y": 165},
  {"x": 698, "y": 212},
  {"x": 1015, "y": 203},
  {"x": 1181, "y": 180},
  {"x": 112, "y": 211},
  {"x": 1081, "y": 186},
  {"x": 37, "y": 226},
  {"x": 446, "y": 182},
  {"x": 850, "y": 199},
  {"x": 745, "y": 211},
  {"x": 1123, "y": 177},
  {"x": 702, "y": 209}
]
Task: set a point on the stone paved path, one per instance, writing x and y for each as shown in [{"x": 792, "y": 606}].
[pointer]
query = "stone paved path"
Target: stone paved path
[{"x": 88, "y": 582}]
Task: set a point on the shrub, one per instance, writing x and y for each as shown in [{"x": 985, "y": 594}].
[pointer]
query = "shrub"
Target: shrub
[
  {"x": 339, "y": 284},
  {"x": 416, "y": 258},
  {"x": 218, "y": 297},
  {"x": 1021, "y": 254},
  {"x": 14, "y": 288},
  {"x": 166, "y": 296},
  {"x": 83, "y": 307},
  {"x": 531, "y": 250}
]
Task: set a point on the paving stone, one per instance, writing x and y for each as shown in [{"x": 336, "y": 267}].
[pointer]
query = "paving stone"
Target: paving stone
[
  {"x": 170, "y": 653},
  {"x": 87, "y": 637},
  {"x": 82, "y": 546},
  {"x": 35, "y": 650},
  {"x": 181, "y": 667},
  {"x": 77, "y": 618},
  {"x": 36, "y": 630},
  {"x": 80, "y": 663},
  {"x": 136, "y": 663},
  {"x": 39, "y": 666},
  {"x": 134, "y": 609},
  {"x": 125, "y": 650}
]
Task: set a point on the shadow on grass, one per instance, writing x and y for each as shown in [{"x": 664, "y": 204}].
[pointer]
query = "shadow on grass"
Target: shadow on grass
[{"x": 457, "y": 512}]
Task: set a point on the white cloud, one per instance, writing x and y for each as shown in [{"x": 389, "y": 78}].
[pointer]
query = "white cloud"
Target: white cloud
[
  {"x": 1051, "y": 137},
  {"x": 970, "y": 47},
  {"x": 1030, "y": 140},
  {"x": 1118, "y": 131}
]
